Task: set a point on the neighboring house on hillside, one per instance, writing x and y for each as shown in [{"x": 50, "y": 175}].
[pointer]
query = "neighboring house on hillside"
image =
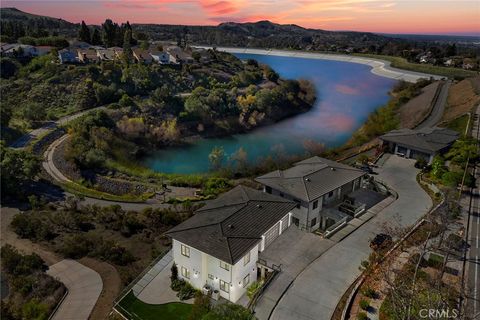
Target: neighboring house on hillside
[
  {"x": 106, "y": 54},
  {"x": 218, "y": 247},
  {"x": 419, "y": 143},
  {"x": 161, "y": 57},
  {"x": 118, "y": 52},
  {"x": 43, "y": 50},
  {"x": 142, "y": 56},
  {"x": 19, "y": 50},
  {"x": 177, "y": 55},
  {"x": 87, "y": 55},
  {"x": 317, "y": 185},
  {"x": 67, "y": 56}
]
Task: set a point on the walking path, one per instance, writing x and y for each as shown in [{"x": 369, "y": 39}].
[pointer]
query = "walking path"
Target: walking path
[
  {"x": 315, "y": 293},
  {"x": 438, "y": 108},
  {"x": 379, "y": 67},
  {"x": 84, "y": 287},
  {"x": 23, "y": 141}
]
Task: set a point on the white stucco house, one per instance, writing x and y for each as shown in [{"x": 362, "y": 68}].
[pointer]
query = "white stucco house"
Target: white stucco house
[
  {"x": 218, "y": 247},
  {"x": 317, "y": 186}
]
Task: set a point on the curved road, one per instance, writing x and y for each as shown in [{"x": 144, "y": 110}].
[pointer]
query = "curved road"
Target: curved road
[
  {"x": 438, "y": 108},
  {"x": 23, "y": 141}
]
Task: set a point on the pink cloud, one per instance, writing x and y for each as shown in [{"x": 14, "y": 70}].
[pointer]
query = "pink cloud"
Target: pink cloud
[
  {"x": 218, "y": 7},
  {"x": 346, "y": 89}
]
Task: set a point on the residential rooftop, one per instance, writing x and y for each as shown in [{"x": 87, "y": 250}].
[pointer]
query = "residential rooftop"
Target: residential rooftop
[
  {"x": 431, "y": 139},
  {"x": 310, "y": 179},
  {"x": 231, "y": 225}
]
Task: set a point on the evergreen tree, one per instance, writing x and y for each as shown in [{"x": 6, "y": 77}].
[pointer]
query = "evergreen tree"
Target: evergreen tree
[
  {"x": 96, "y": 37},
  {"x": 127, "y": 48},
  {"x": 109, "y": 30},
  {"x": 84, "y": 33}
]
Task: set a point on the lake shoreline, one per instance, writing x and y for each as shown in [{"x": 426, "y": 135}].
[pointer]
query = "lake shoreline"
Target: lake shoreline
[{"x": 379, "y": 67}]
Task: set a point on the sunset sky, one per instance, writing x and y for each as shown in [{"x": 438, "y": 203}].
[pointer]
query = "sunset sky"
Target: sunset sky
[{"x": 401, "y": 16}]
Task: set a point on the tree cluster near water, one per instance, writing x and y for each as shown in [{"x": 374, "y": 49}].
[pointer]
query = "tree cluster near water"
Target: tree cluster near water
[{"x": 32, "y": 293}]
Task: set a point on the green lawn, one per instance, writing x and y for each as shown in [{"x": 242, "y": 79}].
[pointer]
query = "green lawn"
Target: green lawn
[
  {"x": 402, "y": 63},
  {"x": 139, "y": 310}
]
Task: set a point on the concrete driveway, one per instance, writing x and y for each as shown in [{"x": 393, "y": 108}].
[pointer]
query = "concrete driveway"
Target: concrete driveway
[
  {"x": 315, "y": 293},
  {"x": 84, "y": 287}
]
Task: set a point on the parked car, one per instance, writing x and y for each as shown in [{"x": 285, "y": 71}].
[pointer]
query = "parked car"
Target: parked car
[{"x": 381, "y": 241}]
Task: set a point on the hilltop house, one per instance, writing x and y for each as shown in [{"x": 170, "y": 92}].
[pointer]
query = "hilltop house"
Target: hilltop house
[
  {"x": 106, "y": 54},
  {"x": 419, "y": 143},
  {"x": 67, "y": 56},
  {"x": 87, "y": 55},
  {"x": 161, "y": 57},
  {"x": 177, "y": 55},
  {"x": 217, "y": 248},
  {"x": 142, "y": 56},
  {"x": 316, "y": 185}
]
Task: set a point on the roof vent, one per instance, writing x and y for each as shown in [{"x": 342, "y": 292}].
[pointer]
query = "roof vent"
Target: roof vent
[
  {"x": 333, "y": 169},
  {"x": 259, "y": 206},
  {"x": 307, "y": 179},
  {"x": 230, "y": 226}
]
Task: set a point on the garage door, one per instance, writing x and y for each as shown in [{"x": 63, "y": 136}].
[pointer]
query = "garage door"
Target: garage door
[
  {"x": 272, "y": 234},
  {"x": 284, "y": 223}
]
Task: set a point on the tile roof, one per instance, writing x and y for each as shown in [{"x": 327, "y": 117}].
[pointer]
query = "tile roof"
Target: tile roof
[
  {"x": 430, "y": 139},
  {"x": 229, "y": 226},
  {"x": 309, "y": 179}
]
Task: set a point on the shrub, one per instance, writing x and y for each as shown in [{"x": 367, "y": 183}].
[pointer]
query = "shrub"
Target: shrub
[
  {"x": 369, "y": 292},
  {"x": 364, "y": 304},
  {"x": 174, "y": 270},
  {"x": 253, "y": 289},
  {"x": 186, "y": 291},
  {"x": 177, "y": 284},
  {"x": 362, "y": 316}
]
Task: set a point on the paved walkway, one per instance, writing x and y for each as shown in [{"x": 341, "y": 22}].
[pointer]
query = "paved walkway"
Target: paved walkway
[
  {"x": 84, "y": 287},
  {"x": 379, "y": 67},
  {"x": 154, "y": 286},
  {"x": 49, "y": 126},
  {"x": 316, "y": 291}
]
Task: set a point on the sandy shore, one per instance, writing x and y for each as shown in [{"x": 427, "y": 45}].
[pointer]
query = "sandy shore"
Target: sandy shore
[{"x": 379, "y": 67}]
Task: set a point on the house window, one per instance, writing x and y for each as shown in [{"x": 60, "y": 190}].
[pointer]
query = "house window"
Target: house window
[
  {"x": 315, "y": 204},
  {"x": 268, "y": 190},
  {"x": 295, "y": 221},
  {"x": 246, "y": 259},
  {"x": 330, "y": 194},
  {"x": 185, "y": 273},
  {"x": 314, "y": 222},
  {"x": 224, "y": 265},
  {"x": 185, "y": 250},
  {"x": 298, "y": 204},
  {"x": 224, "y": 286},
  {"x": 246, "y": 280},
  {"x": 210, "y": 276}
]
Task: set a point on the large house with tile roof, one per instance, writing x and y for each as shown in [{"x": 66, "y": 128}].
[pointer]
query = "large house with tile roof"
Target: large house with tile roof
[
  {"x": 218, "y": 247},
  {"x": 419, "y": 143},
  {"x": 316, "y": 185}
]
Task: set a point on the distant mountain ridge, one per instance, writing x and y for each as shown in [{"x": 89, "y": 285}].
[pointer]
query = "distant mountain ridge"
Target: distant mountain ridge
[{"x": 13, "y": 14}]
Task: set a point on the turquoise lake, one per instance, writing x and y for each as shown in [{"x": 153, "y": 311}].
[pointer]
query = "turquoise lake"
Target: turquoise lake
[{"x": 346, "y": 94}]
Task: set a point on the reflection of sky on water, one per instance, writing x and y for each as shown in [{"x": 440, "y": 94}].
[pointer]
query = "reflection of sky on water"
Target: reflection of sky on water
[{"x": 346, "y": 94}]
